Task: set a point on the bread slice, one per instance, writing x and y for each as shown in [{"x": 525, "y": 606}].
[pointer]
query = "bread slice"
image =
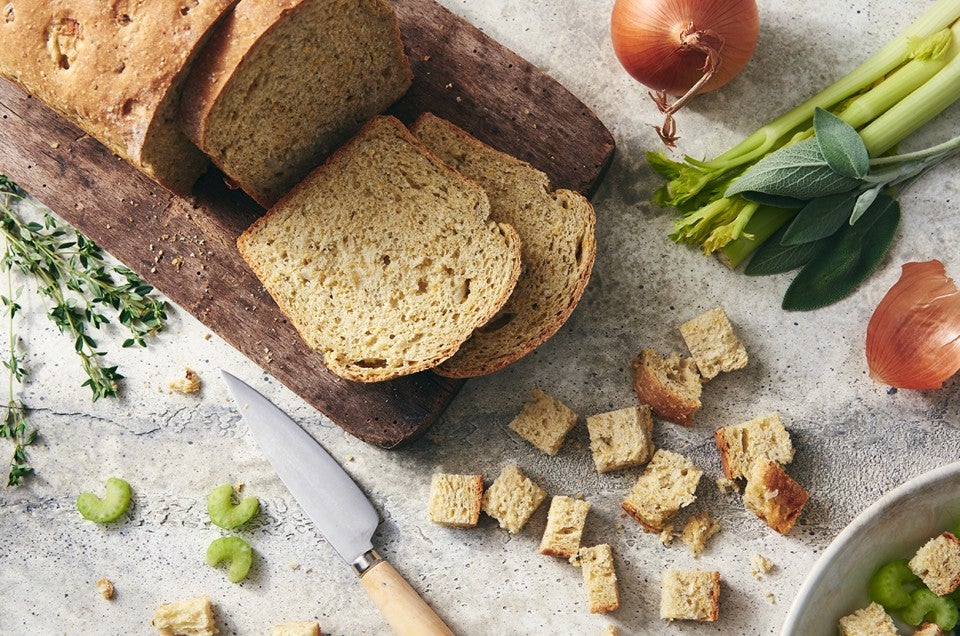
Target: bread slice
[
  {"x": 937, "y": 564},
  {"x": 116, "y": 70},
  {"x": 671, "y": 386},
  {"x": 692, "y": 595},
  {"x": 599, "y": 577},
  {"x": 455, "y": 500},
  {"x": 282, "y": 83},
  {"x": 512, "y": 498},
  {"x": 565, "y": 521},
  {"x": 621, "y": 439},
  {"x": 713, "y": 343},
  {"x": 774, "y": 496},
  {"x": 668, "y": 483},
  {"x": 557, "y": 242},
  {"x": 544, "y": 421},
  {"x": 763, "y": 437},
  {"x": 384, "y": 259},
  {"x": 872, "y": 620}
]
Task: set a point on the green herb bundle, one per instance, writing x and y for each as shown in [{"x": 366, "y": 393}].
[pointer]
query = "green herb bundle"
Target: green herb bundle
[
  {"x": 734, "y": 203},
  {"x": 80, "y": 287}
]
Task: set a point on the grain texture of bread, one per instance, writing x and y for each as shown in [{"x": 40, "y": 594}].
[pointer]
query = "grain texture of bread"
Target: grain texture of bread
[
  {"x": 455, "y": 500},
  {"x": 872, "y": 620},
  {"x": 621, "y": 439},
  {"x": 189, "y": 617},
  {"x": 671, "y": 386},
  {"x": 937, "y": 563},
  {"x": 384, "y": 259},
  {"x": 282, "y": 83},
  {"x": 668, "y": 483},
  {"x": 774, "y": 496},
  {"x": 544, "y": 421},
  {"x": 512, "y": 498},
  {"x": 691, "y": 595},
  {"x": 740, "y": 445},
  {"x": 557, "y": 242},
  {"x": 565, "y": 521},
  {"x": 599, "y": 577},
  {"x": 713, "y": 343},
  {"x": 116, "y": 70}
]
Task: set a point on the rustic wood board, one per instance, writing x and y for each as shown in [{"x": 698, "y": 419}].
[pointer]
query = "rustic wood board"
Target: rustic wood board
[{"x": 186, "y": 247}]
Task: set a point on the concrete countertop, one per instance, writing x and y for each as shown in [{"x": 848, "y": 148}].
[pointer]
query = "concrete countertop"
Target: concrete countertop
[{"x": 854, "y": 439}]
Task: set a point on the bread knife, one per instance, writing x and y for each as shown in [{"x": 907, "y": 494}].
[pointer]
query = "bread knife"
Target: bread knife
[{"x": 337, "y": 507}]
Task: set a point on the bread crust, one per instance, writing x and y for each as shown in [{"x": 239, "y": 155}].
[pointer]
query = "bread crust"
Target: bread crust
[
  {"x": 366, "y": 374},
  {"x": 472, "y": 360},
  {"x": 780, "y": 511},
  {"x": 651, "y": 390},
  {"x": 89, "y": 62}
]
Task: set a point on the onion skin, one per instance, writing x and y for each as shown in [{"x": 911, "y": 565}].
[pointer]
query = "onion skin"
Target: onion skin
[
  {"x": 913, "y": 338},
  {"x": 648, "y": 40}
]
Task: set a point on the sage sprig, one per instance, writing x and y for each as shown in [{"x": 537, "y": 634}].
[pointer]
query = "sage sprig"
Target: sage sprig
[
  {"x": 847, "y": 217},
  {"x": 81, "y": 287}
]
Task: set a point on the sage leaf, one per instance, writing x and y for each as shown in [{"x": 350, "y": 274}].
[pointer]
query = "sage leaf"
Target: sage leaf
[
  {"x": 841, "y": 146},
  {"x": 798, "y": 170},
  {"x": 774, "y": 200},
  {"x": 858, "y": 251},
  {"x": 819, "y": 218},
  {"x": 775, "y": 257},
  {"x": 864, "y": 201}
]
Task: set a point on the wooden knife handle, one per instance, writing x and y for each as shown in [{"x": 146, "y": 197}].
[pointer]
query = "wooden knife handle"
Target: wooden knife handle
[{"x": 406, "y": 612}]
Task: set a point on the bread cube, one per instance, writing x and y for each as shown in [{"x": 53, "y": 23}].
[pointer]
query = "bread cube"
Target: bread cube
[
  {"x": 760, "y": 565},
  {"x": 565, "y": 521},
  {"x": 774, "y": 496},
  {"x": 296, "y": 628},
  {"x": 928, "y": 629},
  {"x": 512, "y": 498},
  {"x": 455, "y": 500},
  {"x": 690, "y": 595},
  {"x": 698, "y": 530},
  {"x": 599, "y": 577},
  {"x": 937, "y": 563},
  {"x": 544, "y": 422},
  {"x": 611, "y": 630},
  {"x": 671, "y": 386},
  {"x": 713, "y": 344},
  {"x": 740, "y": 445},
  {"x": 870, "y": 620},
  {"x": 667, "y": 484},
  {"x": 190, "y": 617},
  {"x": 621, "y": 439}
]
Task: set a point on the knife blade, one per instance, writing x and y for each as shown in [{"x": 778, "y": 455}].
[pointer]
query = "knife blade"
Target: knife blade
[{"x": 341, "y": 512}]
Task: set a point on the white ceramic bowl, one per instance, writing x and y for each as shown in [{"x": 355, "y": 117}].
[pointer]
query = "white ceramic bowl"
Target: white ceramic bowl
[{"x": 891, "y": 528}]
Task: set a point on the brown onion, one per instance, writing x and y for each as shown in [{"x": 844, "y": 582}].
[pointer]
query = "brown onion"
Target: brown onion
[
  {"x": 913, "y": 339},
  {"x": 683, "y": 47}
]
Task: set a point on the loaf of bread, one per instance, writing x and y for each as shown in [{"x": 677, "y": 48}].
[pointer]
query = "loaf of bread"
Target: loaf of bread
[
  {"x": 937, "y": 564},
  {"x": 690, "y": 595},
  {"x": 774, "y": 496},
  {"x": 557, "y": 243},
  {"x": 544, "y": 421},
  {"x": 671, "y": 386},
  {"x": 282, "y": 83},
  {"x": 384, "y": 259},
  {"x": 763, "y": 437},
  {"x": 599, "y": 577},
  {"x": 872, "y": 620},
  {"x": 116, "y": 70}
]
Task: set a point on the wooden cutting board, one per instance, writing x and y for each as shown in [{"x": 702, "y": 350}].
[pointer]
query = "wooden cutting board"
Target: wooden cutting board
[{"x": 186, "y": 248}]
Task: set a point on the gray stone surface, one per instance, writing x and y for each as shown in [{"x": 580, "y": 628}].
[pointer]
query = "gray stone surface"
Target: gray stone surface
[{"x": 854, "y": 439}]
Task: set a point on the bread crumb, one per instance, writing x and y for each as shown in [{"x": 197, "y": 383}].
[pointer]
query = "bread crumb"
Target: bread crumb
[
  {"x": 106, "y": 589},
  {"x": 189, "y": 383},
  {"x": 207, "y": 336},
  {"x": 727, "y": 486},
  {"x": 698, "y": 531},
  {"x": 239, "y": 486},
  {"x": 760, "y": 565},
  {"x": 771, "y": 598},
  {"x": 177, "y": 262},
  {"x": 293, "y": 565},
  {"x": 666, "y": 535}
]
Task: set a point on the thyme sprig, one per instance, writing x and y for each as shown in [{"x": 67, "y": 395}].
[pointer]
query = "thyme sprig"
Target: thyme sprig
[{"x": 80, "y": 286}]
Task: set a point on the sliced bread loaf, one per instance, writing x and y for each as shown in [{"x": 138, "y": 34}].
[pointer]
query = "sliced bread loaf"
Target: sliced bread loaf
[
  {"x": 383, "y": 258},
  {"x": 282, "y": 83},
  {"x": 557, "y": 242},
  {"x": 115, "y": 69}
]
